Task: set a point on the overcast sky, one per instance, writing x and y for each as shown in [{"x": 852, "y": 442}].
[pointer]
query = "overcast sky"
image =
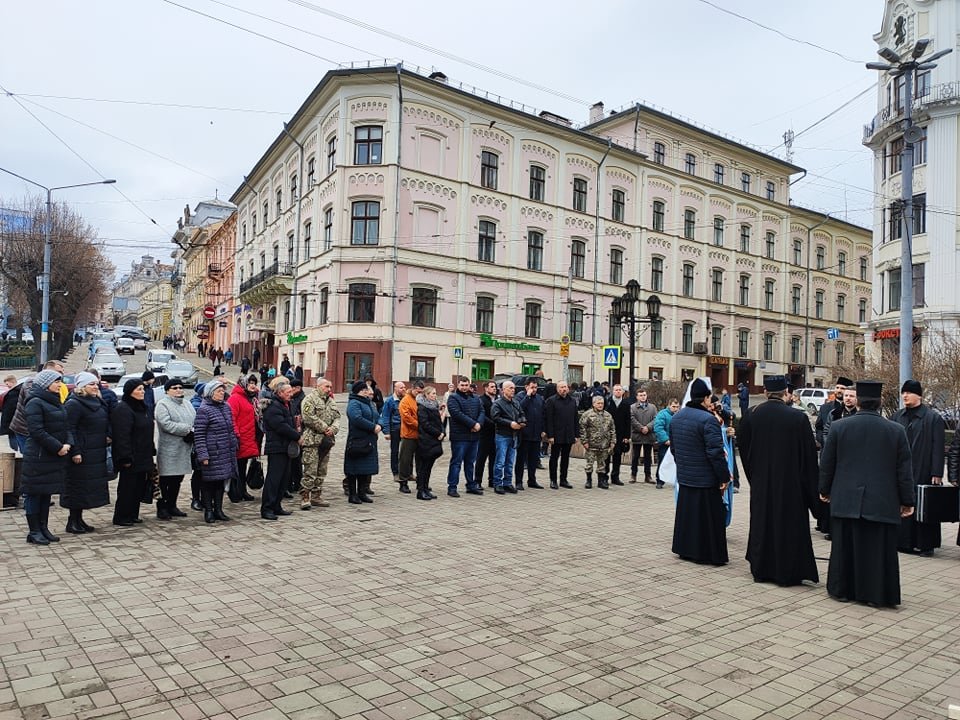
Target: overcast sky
[{"x": 682, "y": 55}]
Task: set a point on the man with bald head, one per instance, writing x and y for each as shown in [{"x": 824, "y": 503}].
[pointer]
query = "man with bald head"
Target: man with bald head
[
  {"x": 560, "y": 425},
  {"x": 390, "y": 422}
]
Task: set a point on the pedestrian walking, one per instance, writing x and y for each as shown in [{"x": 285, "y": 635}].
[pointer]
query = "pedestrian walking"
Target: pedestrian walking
[
  {"x": 361, "y": 460},
  {"x": 866, "y": 477},
  {"x": 86, "y": 481},
  {"x": 599, "y": 437},
  {"x": 743, "y": 396}
]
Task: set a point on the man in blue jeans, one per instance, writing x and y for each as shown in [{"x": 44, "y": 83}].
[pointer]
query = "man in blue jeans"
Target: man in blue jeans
[
  {"x": 466, "y": 419},
  {"x": 509, "y": 420}
]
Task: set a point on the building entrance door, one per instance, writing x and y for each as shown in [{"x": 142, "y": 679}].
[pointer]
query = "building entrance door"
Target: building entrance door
[
  {"x": 356, "y": 366},
  {"x": 481, "y": 370}
]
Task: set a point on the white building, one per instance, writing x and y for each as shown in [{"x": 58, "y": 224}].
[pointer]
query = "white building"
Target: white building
[{"x": 936, "y": 194}]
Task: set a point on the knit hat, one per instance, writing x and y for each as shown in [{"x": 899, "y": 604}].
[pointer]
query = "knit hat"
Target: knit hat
[
  {"x": 699, "y": 390},
  {"x": 172, "y": 382},
  {"x": 83, "y": 379},
  {"x": 147, "y": 375},
  {"x": 912, "y": 386},
  {"x": 46, "y": 378},
  {"x": 130, "y": 385},
  {"x": 358, "y": 387},
  {"x": 211, "y": 387}
]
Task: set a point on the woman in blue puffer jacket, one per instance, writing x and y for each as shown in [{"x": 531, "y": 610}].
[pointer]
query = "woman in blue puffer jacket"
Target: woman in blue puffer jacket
[{"x": 216, "y": 446}]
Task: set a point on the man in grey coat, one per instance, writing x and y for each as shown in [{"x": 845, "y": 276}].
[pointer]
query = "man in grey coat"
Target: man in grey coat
[{"x": 642, "y": 437}]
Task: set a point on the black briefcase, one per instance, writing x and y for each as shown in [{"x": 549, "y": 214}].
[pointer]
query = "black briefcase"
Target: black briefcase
[{"x": 938, "y": 503}]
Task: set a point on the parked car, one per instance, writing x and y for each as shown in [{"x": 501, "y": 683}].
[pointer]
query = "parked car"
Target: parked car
[
  {"x": 520, "y": 381},
  {"x": 811, "y": 398},
  {"x": 157, "y": 360},
  {"x": 109, "y": 365},
  {"x": 97, "y": 344},
  {"x": 125, "y": 345},
  {"x": 158, "y": 391},
  {"x": 140, "y": 343},
  {"x": 184, "y": 370}
]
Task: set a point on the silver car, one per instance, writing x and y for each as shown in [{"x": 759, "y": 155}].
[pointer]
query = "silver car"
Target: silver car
[
  {"x": 184, "y": 370},
  {"x": 109, "y": 365},
  {"x": 157, "y": 360}
]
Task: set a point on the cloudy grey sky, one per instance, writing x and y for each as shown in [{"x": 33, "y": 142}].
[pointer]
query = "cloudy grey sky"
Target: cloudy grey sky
[{"x": 102, "y": 74}]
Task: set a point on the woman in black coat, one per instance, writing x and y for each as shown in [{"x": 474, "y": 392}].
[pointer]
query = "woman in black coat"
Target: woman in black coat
[
  {"x": 133, "y": 452},
  {"x": 45, "y": 454},
  {"x": 429, "y": 446},
  {"x": 87, "y": 476},
  {"x": 281, "y": 432}
]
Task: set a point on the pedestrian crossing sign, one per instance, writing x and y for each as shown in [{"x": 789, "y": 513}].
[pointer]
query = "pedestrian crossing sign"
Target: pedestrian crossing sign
[
  {"x": 458, "y": 352},
  {"x": 611, "y": 357}
]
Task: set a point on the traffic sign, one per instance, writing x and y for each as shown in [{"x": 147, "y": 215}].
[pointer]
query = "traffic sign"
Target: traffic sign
[
  {"x": 833, "y": 333},
  {"x": 612, "y": 354},
  {"x": 209, "y": 312},
  {"x": 564, "y": 349},
  {"x": 565, "y": 339},
  {"x": 458, "y": 352}
]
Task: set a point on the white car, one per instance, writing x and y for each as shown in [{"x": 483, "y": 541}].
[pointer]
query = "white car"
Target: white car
[
  {"x": 140, "y": 343},
  {"x": 109, "y": 365},
  {"x": 125, "y": 345},
  {"x": 812, "y": 398},
  {"x": 157, "y": 360},
  {"x": 184, "y": 370}
]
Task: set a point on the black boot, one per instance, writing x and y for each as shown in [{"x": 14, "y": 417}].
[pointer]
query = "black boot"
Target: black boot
[
  {"x": 35, "y": 536},
  {"x": 346, "y": 486},
  {"x": 218, "y": 504},
  {"x": 83, "y": 523},
  {"x": 421, "y": 491},
  {"x": 602, "y": 482},
  {"x": 354, "y": 498},
  {"x": 589, "y": 483},
  {"x": 73, "y": 526},
  {"x": 428, "y": 491},
  {"x": 553, "y": 485},
  {"x": 363, "y": 487},
  {"x": 206, "y": 499},
  {"x": 44, "y": 519},
  {"x": 519, "y": 485},
  {"x": 405, "y": 487}
]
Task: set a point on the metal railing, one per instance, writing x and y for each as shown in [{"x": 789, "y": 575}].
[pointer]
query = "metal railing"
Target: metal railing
[
  {"x": 942, "y": 94},
  {"x": 277, "y": 268}
]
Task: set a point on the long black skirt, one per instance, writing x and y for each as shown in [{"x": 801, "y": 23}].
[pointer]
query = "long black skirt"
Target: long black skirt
[
  {"x": 863, "y": 562},
  {"x": 699, "y": 531}
]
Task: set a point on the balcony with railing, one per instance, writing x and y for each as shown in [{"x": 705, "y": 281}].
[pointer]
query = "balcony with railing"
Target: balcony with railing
[
  {"x": 273, "y": 281},
  {"x": 214, "y": 271},
  {"x": 938, "y": 95}
]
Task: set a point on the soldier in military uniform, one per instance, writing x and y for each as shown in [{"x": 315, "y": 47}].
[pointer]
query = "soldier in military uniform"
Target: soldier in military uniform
[
  {"x": 321, "y": 422},
  {"x": 598, "y": 435}
]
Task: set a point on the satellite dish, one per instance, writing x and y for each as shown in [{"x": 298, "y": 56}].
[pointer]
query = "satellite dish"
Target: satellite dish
[{"x": 913, "y": 134}]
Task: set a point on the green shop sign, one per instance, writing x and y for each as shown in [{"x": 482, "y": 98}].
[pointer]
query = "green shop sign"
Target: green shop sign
[
  {"x": 292, "y": 339},
  {"x": 489, "y": 341}
]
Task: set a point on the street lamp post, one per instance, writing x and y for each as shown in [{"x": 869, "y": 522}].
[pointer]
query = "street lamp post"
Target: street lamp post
[
  {"x": 906, "y": 68},
  {"x": 624, "y": 309},
  {"x": 47, "y": 255}
]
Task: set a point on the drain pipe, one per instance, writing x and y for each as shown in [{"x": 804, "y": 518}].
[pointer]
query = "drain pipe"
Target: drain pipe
[
  {"x": 396, "y": 230},
  {"x": 294, "y": 309},
  {"x": 596, "y": 267}
]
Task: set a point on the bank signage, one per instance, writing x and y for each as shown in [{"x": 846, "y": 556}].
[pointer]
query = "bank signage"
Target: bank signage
[
  {"x": 489, "y": 341},
  {"x": 293, "y": 339}
]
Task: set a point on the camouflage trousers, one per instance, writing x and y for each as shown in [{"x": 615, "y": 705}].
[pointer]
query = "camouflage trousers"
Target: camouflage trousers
[
  {"x": 597, "y": 458},
  {"x": 314, "y": 469}
]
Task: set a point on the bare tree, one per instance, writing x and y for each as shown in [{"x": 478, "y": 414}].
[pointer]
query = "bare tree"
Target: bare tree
[{"x": 80, "y": 271}]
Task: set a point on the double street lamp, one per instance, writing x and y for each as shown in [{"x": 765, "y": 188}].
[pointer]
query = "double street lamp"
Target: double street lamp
[
  {"x": 47, "y": 252},
  {"x": 624, "y": 310}
]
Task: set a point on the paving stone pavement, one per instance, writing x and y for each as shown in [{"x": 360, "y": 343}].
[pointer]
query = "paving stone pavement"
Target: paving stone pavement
[{"x": 546, "y": 604}]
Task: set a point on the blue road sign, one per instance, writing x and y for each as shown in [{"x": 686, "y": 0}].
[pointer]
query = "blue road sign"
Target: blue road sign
[
  {"x": 833, "y": 333},
  {"x": 612, "y": 354}
]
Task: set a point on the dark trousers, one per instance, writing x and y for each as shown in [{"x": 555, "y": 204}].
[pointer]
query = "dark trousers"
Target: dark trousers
[
  {"x": 647, "y": 452},
  {"x": 528, "y": 456},
  {"x": 130, "y": 490},
  {"x": 169, "y": 491},
  {"x": 486, "y": 455},
  {"x": 408, "y": 449},
  {"x": 395, "y": 452},
  {"x": 561, "y": 452},
  {"x": 277, "y": 477},
  {"x": 424, "y": 468},
  {"x": 195, "y": 479},
  {"x": 296, "y": 474}
]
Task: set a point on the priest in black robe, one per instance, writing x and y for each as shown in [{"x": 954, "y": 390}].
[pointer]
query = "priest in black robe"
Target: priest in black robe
[
  {"x": 779, "y": 457},
  {"x": 926, "y": 433},
  {"x": 865, "y": 475}
]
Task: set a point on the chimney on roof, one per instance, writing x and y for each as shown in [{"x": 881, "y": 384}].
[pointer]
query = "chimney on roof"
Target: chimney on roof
[
  {"x": 554, "y": 118},
  {"x": 596, "y": 112},
  {"x": 439, "y": 77}
]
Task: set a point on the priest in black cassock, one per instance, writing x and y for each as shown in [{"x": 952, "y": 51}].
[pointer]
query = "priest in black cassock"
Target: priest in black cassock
[
  {"x": 865, "y": 475},
  {"x": 927, "y": 436},
  {"x": 780, "y": 461}
]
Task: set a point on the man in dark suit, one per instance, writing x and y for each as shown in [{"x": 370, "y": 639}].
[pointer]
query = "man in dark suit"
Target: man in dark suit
[
  {"x": 866, "y": 476},
  {"x": 618, "y": 405}
]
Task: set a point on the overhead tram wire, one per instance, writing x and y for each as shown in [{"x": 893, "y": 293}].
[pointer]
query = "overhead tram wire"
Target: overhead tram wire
[{"x": 181, "y": 106}]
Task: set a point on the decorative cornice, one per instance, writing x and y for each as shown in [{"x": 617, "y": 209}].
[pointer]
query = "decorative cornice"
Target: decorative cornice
[
  {"x": 328, "y": 188},
  {"x": 691, "y": 249},
  {"x": 660, "y": 184},
  {"x": 536, "y": 148},
  {"x": 489, "y": 201},
  {"x": 746, "y": 262},
  {"x": 616, "y": 231},
  {"x": 531, "y": 212},
  {"x": 622, "y": 175},
  {"x": 660, "y": 242},
  {"x": 579, "y": 223},
  {"x": 369, "y": 107},
  {"x": 691, "y": 192},
  {"x": 330, "y": 123},
  {"x": 486, "y": 133},
  {"x": 842, "y": 285},
  {"x": 746, "y": 212},
  {"x": 366, "y": 179},
  {"x": 430, "y": 116},
  {"x": 581, "y": 161},
  {"x": 770, "y": 268},
  {"x": 719, "y": 255},
  {"x": 721, "y": 203},
  {"x": 426, "y": 186},
  {"x": 767, "y": 217}
]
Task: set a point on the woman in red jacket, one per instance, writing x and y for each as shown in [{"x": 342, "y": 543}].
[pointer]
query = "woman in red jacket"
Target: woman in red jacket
[{"x": 242, "y": 402}]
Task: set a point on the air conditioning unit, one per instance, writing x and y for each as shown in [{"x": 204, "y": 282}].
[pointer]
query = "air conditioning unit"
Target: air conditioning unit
[{"x": 700, "y": 348}]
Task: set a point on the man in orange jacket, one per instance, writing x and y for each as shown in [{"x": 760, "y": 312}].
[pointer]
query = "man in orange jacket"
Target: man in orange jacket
[{"x": 408, "y": 435}]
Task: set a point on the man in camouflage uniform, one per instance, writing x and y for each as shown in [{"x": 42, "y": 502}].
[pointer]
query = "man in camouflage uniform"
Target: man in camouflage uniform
[
  {"x": 321, "y": 419},
  {"x": 598, "y": 435}
]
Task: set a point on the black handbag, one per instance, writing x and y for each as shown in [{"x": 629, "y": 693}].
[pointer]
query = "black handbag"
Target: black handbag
[
  {"x": 358, "y": 446},
  {"x": 293, "y": 449},
  {"x": 255, "y": 475},
  {"x": 326, "y": 445}
]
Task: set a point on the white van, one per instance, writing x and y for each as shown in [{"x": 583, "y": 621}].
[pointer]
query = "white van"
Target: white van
[{"x": 812, "y": 398}]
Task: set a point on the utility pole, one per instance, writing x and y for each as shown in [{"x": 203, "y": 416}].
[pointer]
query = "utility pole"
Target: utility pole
[{"x": 907, "y": 68}]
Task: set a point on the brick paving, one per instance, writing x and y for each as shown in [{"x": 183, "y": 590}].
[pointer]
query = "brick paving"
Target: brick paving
[{"x": 547, "y": 604}]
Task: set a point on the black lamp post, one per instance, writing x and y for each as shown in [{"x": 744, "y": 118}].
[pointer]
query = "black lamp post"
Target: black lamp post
[{"x": 624, "y": 309}]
